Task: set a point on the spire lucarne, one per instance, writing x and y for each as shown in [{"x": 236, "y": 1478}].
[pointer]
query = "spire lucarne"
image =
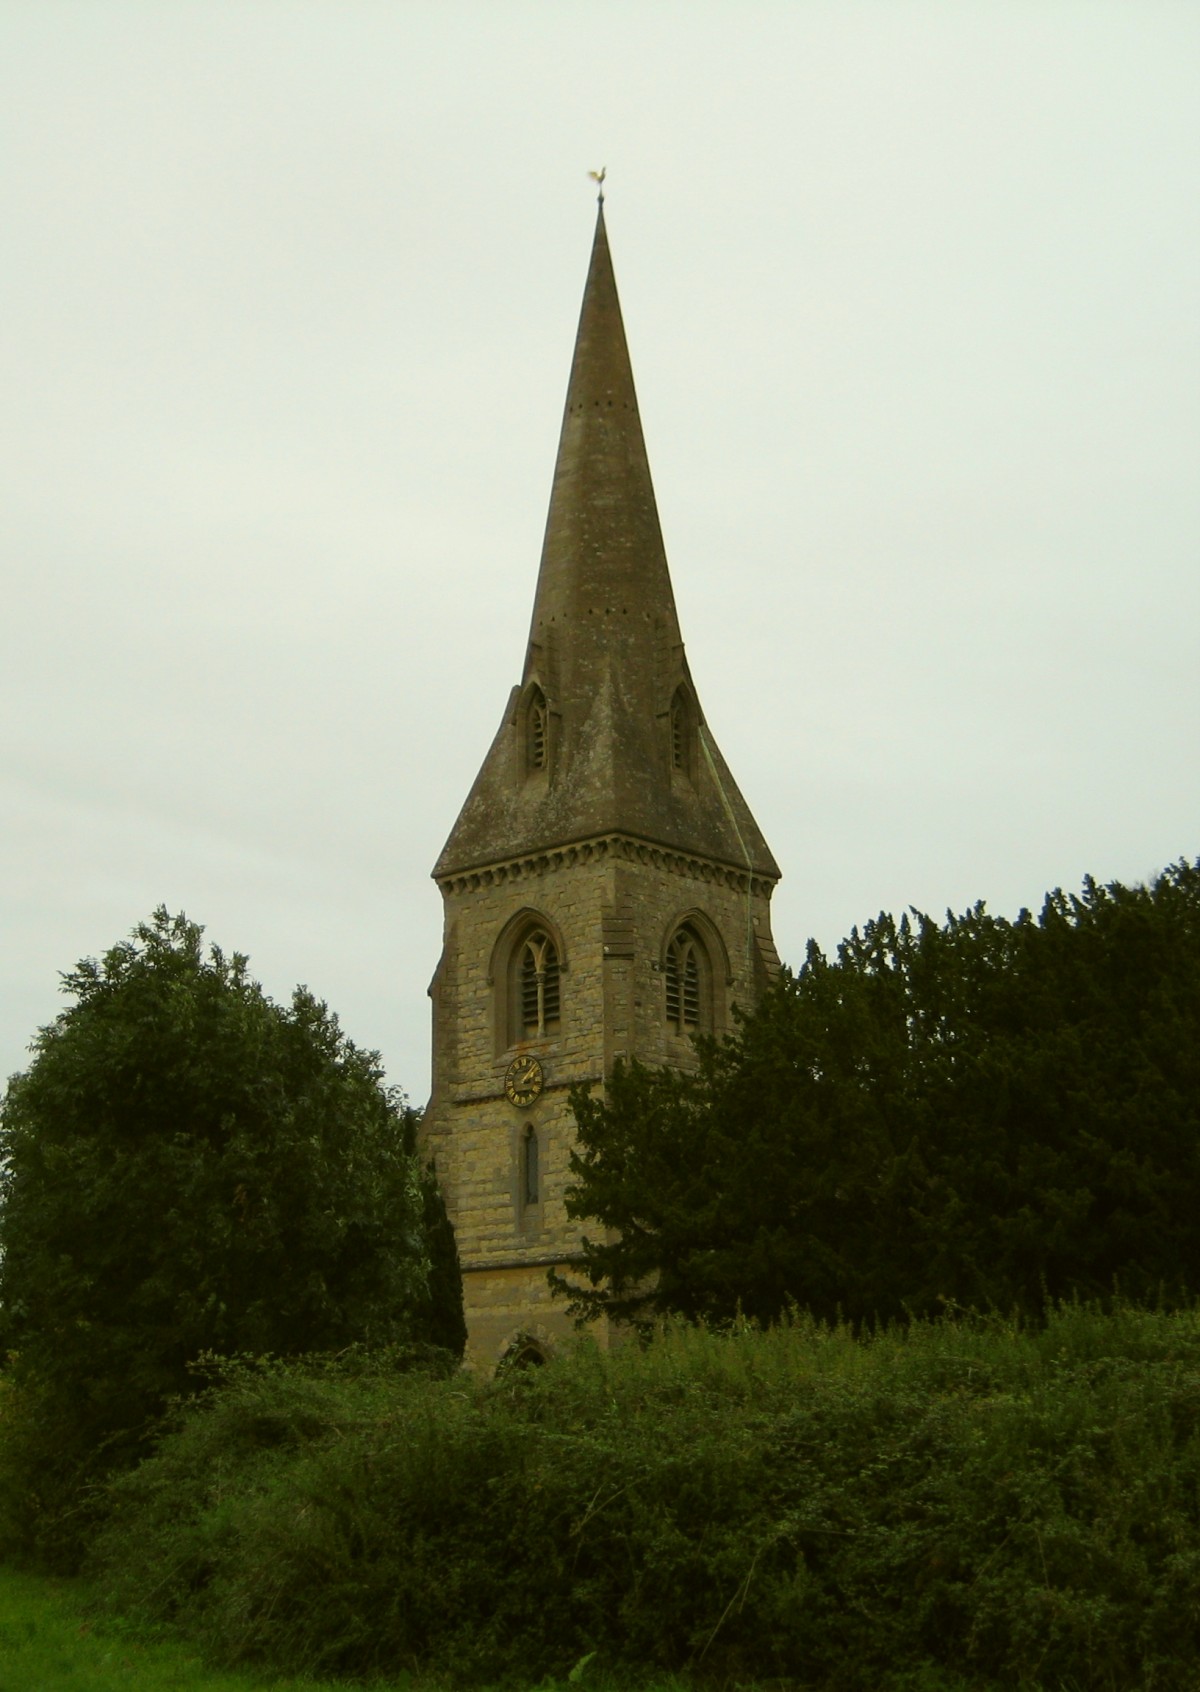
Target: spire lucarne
[
  {"x": 606, "y": 889},
  {"x": 604, "y": 647}
]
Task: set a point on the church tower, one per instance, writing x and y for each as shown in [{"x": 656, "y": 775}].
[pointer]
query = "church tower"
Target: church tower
[{"x": 607, "y": 891}]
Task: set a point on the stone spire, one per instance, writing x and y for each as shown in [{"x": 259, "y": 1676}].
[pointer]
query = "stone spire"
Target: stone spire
[
  {"x": 626, "y": 750},
  {"x": 603, "y": 592}
]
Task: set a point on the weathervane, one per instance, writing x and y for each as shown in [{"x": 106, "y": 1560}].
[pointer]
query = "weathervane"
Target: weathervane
[{"x": 597, "y": 177}]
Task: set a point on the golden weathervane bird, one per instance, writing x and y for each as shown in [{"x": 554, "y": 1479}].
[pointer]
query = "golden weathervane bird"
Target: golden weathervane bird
[{"x": 597, "y": 177}]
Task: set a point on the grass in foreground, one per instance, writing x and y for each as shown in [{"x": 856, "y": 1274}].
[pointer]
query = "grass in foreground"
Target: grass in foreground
[{"x": 49, "y": 1644}]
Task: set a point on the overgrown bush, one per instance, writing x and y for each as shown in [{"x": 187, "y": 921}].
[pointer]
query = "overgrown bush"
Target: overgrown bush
[{"x": 959, "y": 1503}]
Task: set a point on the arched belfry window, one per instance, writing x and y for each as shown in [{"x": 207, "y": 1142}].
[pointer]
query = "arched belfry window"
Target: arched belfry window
[
  {"x": 537, "y": 731},
  {"x": 527, "y": 966},
  {"x": 688, "y": 984},
  {"x": 536, "y": 999}
]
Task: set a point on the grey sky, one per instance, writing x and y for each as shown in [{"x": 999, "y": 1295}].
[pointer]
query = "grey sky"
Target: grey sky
[{"x": 289, "y": 293}]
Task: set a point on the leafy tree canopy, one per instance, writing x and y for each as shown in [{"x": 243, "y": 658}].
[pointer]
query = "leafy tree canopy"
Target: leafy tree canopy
[
  {"x": 981, "y": 1112},
  {"x": 188, "y": 1166}
]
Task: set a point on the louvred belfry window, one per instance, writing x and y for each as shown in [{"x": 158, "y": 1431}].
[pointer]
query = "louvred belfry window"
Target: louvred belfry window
[
  {"x": 538, "y": 986},
  {"x": 684, "y": 983}
]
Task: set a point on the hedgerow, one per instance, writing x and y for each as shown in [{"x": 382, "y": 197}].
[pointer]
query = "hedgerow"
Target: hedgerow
[{"x": 961, "y": 1503}]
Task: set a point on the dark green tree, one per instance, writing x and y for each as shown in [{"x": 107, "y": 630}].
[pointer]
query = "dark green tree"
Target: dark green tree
[
  {"x": 981, "y": 1112},
  {"x": 440, "y": 1318},
  {"x": 189, "y": 1167}
]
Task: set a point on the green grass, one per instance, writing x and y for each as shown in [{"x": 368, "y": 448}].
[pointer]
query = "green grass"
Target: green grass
[{"x": 50, "y": 1643}]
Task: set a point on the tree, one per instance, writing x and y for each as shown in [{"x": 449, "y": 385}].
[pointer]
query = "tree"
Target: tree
[
  {"x": 190, "y": 1167},
  {"x": 982, "y": 1112},
  {"x": 441, "y": 1319}
]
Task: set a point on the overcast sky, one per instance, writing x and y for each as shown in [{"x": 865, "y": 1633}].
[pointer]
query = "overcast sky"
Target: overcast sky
[{"x": 288, "y": 299}]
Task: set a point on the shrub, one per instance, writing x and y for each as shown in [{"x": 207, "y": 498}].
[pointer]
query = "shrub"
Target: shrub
[{"x": 964, "y": 1498}]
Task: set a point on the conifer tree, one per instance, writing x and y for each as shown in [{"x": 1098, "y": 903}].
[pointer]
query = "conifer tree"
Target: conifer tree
[{"x": 982, "y": 1112}]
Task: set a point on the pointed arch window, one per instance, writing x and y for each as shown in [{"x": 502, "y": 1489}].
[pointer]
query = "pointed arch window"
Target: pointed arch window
[
  {"x": 688, "y": 991},
  {"x": 537, "y": 727},
  {"x": 537, "y": 986},
  {"x": 523, "y": 1353},
  {"x": 527, "y": 965}
]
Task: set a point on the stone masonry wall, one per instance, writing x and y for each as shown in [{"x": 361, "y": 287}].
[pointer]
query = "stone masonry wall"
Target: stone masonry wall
[{"x": 614, "y": 905}]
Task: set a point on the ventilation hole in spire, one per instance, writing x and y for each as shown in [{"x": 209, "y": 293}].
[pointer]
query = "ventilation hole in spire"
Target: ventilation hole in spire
[
  {"x": 535, "y": 729},
  {"x": 680, "y": 731}
]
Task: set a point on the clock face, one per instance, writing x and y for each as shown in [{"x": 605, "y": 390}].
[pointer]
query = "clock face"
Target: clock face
[{"x": 524, "y": 1081}]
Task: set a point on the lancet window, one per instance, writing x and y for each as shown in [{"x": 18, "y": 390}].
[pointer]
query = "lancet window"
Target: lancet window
[
  {"x": 537, "y": 984},
  {"x": 530, "y": 1174}
]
